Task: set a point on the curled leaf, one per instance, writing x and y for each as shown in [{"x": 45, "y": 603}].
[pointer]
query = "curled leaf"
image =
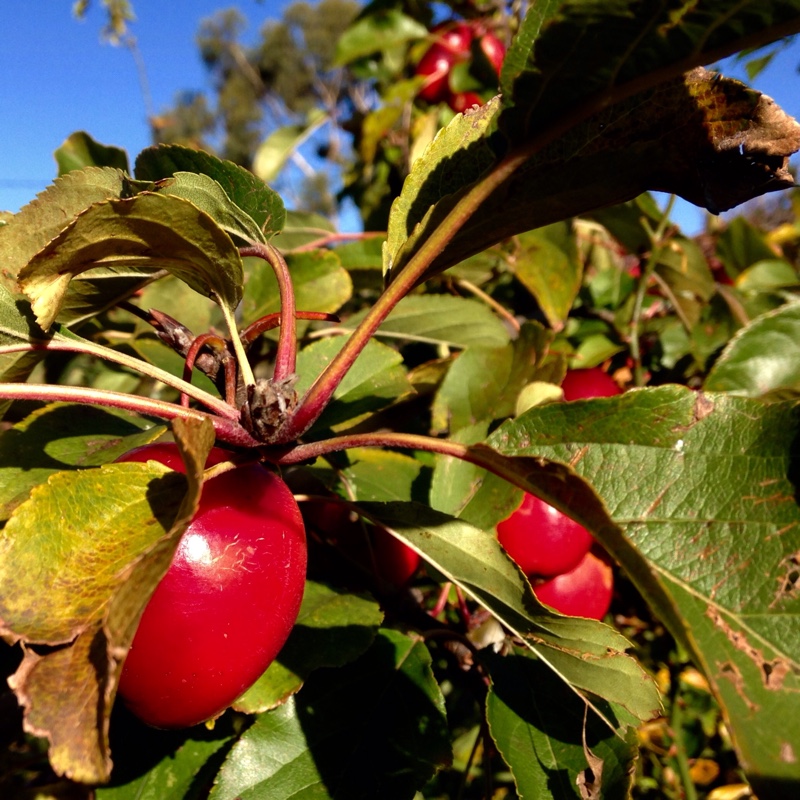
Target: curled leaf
[
  {"x": 78, "y": 562},
  {"x": 149, "y": 231}
]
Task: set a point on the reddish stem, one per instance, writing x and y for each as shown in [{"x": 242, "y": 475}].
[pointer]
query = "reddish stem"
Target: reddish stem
[
  {"x": 270, "y": 321},
  {"x": 479, "y": 454},
  {"x": 191, "y": 357},
  {"x": 333, "y": 238},
  {"x": 229, "y": 365},
  {"x": 227, "y": 430},
  {"x": 441, "y": 601},
  {"x": 285, "y": 358},
  {"x": 318, "y": 396}
]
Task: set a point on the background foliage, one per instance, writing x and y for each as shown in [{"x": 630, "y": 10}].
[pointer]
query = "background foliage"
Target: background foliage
[{"x": 523, "y": 242}]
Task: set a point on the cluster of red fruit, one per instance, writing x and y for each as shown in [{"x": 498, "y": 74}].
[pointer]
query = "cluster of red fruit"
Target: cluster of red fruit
[
  {"x": 457, "y": 43},
  {"x": 567, "y": 569},
  {"x": 232, "y": 594}
]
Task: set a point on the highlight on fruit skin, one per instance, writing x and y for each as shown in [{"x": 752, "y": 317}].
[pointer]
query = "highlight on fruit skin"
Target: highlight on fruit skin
[
  {"x": 455, "y": 43},
  {"x": 542, "y": 540},
  {"x": 227, "y": 603}
]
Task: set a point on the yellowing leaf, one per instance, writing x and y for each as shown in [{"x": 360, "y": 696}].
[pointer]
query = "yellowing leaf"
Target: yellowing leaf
[
  {"x": 150, "y": 231},
  {"x": 78, "y": 562}
]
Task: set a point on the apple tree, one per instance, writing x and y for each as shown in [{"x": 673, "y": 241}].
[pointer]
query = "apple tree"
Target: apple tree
[{"x": 405, "y": 385}]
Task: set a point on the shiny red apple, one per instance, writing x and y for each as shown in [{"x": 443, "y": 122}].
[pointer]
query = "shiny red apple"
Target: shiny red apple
[
  {"x": 584, "y": 591},
  {"x": 580, "y": 384},
  {"x": 226, "y": 605},
  {"x": 452, "y": 45},
  {"x": 542, "y": 540},
  {"x": 494, "y": 50}
]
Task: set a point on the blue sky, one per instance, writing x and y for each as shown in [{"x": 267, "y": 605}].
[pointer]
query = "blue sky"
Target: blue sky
[{"x": 58, "y": 77}]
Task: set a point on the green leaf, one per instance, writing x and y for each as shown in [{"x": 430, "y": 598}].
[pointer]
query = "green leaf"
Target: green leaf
[
  {"x": 454, "y": 159},
  {"x": 362, "y": 254},
  {"x": 381, "y": 121},
  {"x": 594, "y": 350},
  {"x": 332, "y": 629},
  {"x": 380, "y": 474},
  {"x": 538, "y": 726},
  {"x": 586, "y": 654},
  {"x": 672, "y": 137},
  {"x": 376, "y": 380},
  {"x": 469, "y": 492},
  {"x": 87, "y": 599},
  {"x": 78, "y": 562},
  {"x": 302, "y": 228},
  {"x": 762, "y": 359},
  {"x": 273, "y": 153},
  {"x": 376, "y": 31},
  {"x": 154, "y": 351},
  {"x": 580, "y": 51},
  {"x": 769, "y": 275},
  {"x": 741, "y": 244},
  {"x": 319, "y": 280},
  {"x": 209, "y": 196},
  {"x": 704, "y": 487},
  {"x": 43, "y": 218},
  {"x": 57, "y": 438},
  {"x": 631, "y": 223},
  {"x": 161, "y": 765},
  {"x": 685, "y": 277},
  {"x": 545, "y": 262},
  {"x": 375, "y": 728},
  {"x": 148, "y": 231},
  {"x": 174, "y": 297},
  {"x": 79, "y": 150},
  {"x": 23, "y": 344},
  {"x": 246, "y": 191},
  {"x": 442, "y": 320},
  {"x": 485, "y": 382},
  {"x": 99, "y": 290},
  {"x": 17, "y": 329}
]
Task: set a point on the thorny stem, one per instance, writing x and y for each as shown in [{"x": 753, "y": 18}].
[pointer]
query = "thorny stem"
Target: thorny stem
[
  {"x": 287, "y": 341},
  {"x": 226, "y": 429},
  {"x": 656, "y": 240}
]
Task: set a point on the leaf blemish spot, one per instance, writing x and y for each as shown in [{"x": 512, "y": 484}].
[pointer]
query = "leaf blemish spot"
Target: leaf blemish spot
[
  {"x": 730, "y": 671},
  {"x": 773, "y": 673}
]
